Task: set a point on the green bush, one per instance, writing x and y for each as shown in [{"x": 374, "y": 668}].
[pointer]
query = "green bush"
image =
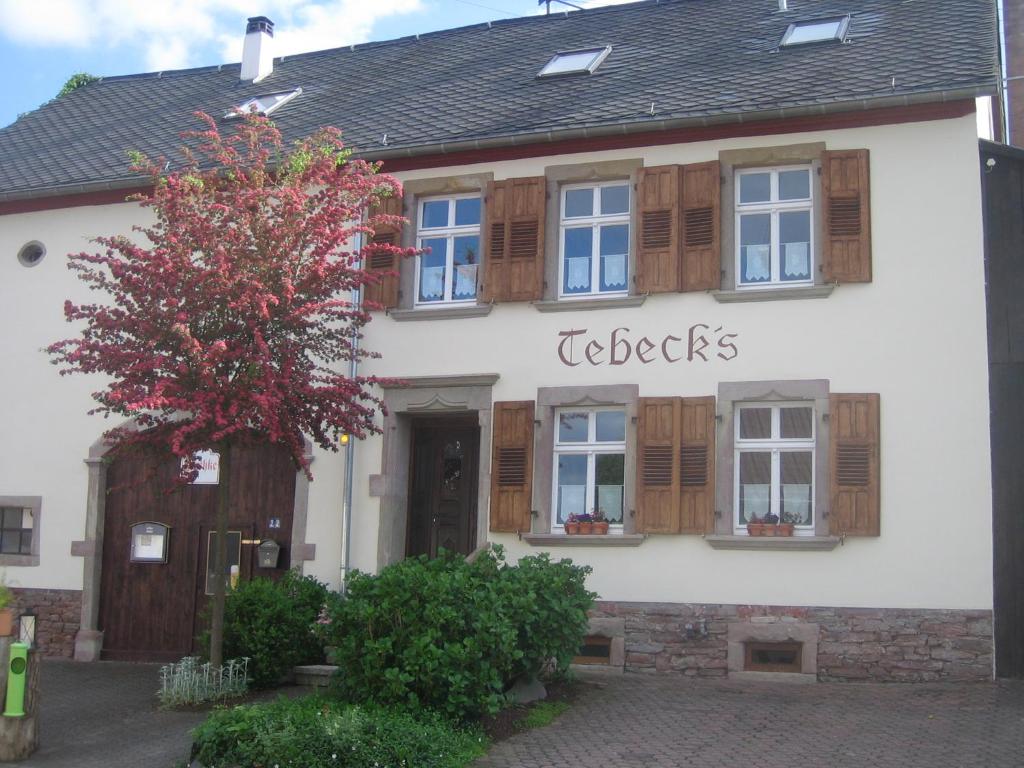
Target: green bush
[
  {"x": 315, "y": 732},
  {"x": 274, "y": 625},
  {"x": 453, "y": 636}
]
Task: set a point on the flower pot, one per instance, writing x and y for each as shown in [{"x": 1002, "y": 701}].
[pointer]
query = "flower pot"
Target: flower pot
[
  {"x": 758, "y": 529},
  {"x": 784, "y": 529},
  {"x": 6, "y": 622},
  {"x": 572, "y": 528},
  {"x": 587, "y": 527},
  {"x": 770, "y": 529},
  {"x": 601, "y": 527}
]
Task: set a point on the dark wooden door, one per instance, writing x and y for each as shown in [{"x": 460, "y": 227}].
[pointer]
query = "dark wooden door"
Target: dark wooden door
[
  {"x": 153, "y": 611},
  {"x": 443, "y": 488}
]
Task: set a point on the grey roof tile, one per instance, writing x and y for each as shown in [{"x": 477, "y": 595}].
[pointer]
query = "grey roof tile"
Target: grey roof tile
[{"x": 691, "y": 58}]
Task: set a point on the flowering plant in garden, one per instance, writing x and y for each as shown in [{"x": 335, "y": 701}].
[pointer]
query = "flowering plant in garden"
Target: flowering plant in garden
[{"x": 231, "y": 318}]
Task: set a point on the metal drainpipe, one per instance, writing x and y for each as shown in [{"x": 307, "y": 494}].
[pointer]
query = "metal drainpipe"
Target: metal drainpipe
[{"x": 350, "y": 452}]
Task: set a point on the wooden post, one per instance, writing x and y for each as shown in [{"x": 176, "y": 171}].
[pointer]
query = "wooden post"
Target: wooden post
[{"x": 19, "y": 736}]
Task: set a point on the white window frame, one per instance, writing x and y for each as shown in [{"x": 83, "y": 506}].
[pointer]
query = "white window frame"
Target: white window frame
[
  {"x": 777, "y": 445},
  {"x": 449, "y": 233},
  {"x": 592, "y": 448},
  {"x": 595, "y": 222},
  {"x": 774, "y": 207}
]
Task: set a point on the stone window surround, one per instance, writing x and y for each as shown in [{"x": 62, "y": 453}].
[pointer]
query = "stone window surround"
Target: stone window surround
[
  {"x": 732, "y": 160},
  {"x": 425, "y": 396},
  {"x": 549, "y": 399},
  {"x": 414, "y": 191},
  {"x": 732, "y": 392},
  {"x": 559, "y": 176},
  {"x": 89, "y": 638},
  {"x": 35, "y": 503},
  {"x": 741, "y": 633}
]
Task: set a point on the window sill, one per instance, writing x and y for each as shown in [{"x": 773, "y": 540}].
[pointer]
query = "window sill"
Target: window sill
[
  {"x": 803, "y": 543},
  {"x": 583, "y": 539},
  {"x": 774, "y": 294},
  {"x": 24, "y": 561},
  {"x": 581, "y": 305},
  {"x": 441, "y": 313}
]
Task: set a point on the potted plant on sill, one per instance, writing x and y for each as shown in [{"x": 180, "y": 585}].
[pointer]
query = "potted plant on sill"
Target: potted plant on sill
[
  {"x": 600, "y": 522},
  {"x": 586, "y": 521},
  {"x": 572, "y": 525},
  {"x": 769, "y": 525},
  {"x": 6, "y": 614}
]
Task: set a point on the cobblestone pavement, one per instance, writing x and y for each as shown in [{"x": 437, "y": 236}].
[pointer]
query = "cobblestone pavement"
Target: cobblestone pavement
[{"x": 661, "y": 720}]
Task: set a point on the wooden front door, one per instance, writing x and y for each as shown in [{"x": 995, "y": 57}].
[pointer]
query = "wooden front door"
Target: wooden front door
[
  {"x": 153, "y": 611},
  {"x": 443, "y": 487}
]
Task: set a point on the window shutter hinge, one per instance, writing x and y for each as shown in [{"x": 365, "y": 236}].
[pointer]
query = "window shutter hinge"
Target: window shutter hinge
[
  {"x": 632, "y": 513},
  {"x": 535, "y": 513},
  {"x": 718, "y": 513}
]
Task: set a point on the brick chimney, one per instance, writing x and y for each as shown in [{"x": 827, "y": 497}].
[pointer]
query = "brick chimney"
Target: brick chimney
[{"x": 257, "y": 58}]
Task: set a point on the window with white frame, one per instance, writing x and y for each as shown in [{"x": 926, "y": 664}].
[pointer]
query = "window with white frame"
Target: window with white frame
[
  {"x": 589, "y": 463},
  {"x": 449, "y": 231},
  {"x": 774, "y": 227},
  {"x": 594, "y": 239},
  {"x": 774, "y": 465}
]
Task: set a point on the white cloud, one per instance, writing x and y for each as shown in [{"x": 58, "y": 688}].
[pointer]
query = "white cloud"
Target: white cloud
[{"x": 173, "y": 34}]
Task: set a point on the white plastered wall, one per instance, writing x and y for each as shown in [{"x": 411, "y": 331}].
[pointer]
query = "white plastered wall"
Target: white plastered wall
[{"x": 916, "y": 335}]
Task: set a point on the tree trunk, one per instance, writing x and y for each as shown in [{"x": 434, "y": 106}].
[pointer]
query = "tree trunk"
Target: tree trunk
[{"x": 220, "y": 543}]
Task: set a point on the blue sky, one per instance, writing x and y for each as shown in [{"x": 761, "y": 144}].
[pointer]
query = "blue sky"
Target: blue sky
[{"x": 44, "y": 42}]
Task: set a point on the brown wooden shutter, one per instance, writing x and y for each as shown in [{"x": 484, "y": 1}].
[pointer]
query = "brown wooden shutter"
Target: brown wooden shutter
[
  {"x": 658, "y": 476},
  {"x": 384, "y": 292},
  {"x": 658, "y": 216},
  {"x": 701, "y": 266},
  {"x": 854, "y": 465},
  {"x": 697, "y": 465},
  {"x": 847, "y": 216},
  {"x": 514, "y": 261},
  {"x": 512, "y": 467}
]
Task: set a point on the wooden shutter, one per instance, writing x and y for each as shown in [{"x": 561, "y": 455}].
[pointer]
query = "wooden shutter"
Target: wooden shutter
[
  {"x": 854, "y": 465},
  {"x": 697, "y": 464},
  {"x": 658, "y": 215},
  {"x": 514, "y": 261},
  {"x": 378, "y": 262},
  {"x": 512, "y": 467},
  {"x": 701, "y": 266},
  {"x": 658, "y": 476},
  {"x": 847, "y": 216}
]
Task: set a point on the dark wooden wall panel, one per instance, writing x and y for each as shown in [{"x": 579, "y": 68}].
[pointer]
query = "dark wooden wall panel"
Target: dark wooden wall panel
[{"x": 1002, "y": 175}]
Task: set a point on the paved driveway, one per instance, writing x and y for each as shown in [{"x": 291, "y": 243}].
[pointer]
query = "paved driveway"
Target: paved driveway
[{"x": 653, "y": 721}]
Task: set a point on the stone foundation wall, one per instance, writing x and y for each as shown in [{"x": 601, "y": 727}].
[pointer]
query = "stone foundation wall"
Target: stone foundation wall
[
  {"x": 58, "y": 613},
  {"x": 872, "y": 644}
]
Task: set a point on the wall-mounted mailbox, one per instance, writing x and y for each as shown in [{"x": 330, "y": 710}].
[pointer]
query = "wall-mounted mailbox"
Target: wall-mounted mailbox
[
  {"x": 149, "y": 542},
  {"x": 268, "y": 552}
]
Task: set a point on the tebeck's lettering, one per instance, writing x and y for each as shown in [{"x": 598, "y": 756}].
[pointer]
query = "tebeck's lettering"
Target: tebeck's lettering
[{"x": 697, "y": 343}]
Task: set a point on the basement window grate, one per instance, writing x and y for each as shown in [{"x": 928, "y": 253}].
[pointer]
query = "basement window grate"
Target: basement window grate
[
  {"x": 594, "y": 651},
  {"x": 772, "y": 657}
]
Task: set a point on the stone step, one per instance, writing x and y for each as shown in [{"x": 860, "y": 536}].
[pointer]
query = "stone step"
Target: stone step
[{"x": 314, "y": 675}]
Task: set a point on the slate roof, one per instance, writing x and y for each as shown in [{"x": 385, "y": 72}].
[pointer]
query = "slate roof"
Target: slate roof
[{"x": 693, "y": 60}]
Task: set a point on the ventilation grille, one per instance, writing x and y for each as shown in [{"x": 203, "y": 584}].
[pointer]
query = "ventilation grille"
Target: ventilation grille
[
  {"x": 384, "y": 238},
  {"x": 511, "y": 466},
  {"x": 523, "y": 239},
  {"x": 694, "y": 465},
  {"x": 700, "y": 229},
  {"x": 497, "y": 244},
  {"x": 380, "y": 260},
  {"x": 844, "y": 217},
  {"x": 656, "y": 227},
  {"x": 853, "y": 464},
  {"x": 658, "y": 465}
]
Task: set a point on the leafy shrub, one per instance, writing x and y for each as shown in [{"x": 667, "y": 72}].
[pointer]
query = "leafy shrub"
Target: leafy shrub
[
  {"x": 453, "y": 636},
  {"x": 191, "y": 682},
  {"x": 273, "y": 623},
  {"x": 315, "y": 732}
]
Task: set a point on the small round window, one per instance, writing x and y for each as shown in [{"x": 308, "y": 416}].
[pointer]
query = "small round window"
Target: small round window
[{"x": 31, "y": 253}]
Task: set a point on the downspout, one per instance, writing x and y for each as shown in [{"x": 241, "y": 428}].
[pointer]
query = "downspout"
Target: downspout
[{"x": 350, "y": 448}]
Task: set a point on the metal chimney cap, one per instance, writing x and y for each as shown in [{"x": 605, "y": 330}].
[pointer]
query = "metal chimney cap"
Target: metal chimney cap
[{"x": 260, "y": 24}]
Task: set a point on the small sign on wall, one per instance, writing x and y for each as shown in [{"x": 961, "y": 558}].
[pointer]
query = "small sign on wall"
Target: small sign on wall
[
  {"x": 149, "y": 542},
  {"x": 209, "y": 468}
]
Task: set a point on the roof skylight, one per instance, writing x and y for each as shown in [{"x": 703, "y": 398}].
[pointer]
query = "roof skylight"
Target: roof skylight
[
  {"x": 263, "y": 104},
  {"x": 816, "y": 31},
  {"x": 571, "y": 62}
]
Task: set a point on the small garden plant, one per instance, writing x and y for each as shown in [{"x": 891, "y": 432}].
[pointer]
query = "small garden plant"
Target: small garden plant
[{"x": 190, "y": 682}]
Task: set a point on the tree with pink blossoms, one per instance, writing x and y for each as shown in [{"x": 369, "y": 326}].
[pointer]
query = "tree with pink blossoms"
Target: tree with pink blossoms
[{"x": 231, "y": 319}]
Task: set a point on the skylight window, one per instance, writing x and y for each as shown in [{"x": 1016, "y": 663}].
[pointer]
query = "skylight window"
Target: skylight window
[
  {"x": 571, "y": 62},
  {"x": 816, "y": 31},
  {"x": 263, "y": 104}
]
